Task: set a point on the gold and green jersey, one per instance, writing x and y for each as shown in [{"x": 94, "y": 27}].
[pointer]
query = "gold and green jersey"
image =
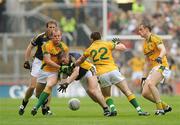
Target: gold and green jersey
[
  {"x": 100, "y": 52},
  {"x": 54, "y": 51},
  {"x": 152, "y": 52}
]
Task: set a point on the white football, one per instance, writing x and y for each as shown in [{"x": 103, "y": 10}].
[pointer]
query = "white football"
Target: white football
[{"x": 74, "y": 104}]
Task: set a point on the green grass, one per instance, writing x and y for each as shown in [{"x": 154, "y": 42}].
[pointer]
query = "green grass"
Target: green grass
[{"x": 88, "y": 114}]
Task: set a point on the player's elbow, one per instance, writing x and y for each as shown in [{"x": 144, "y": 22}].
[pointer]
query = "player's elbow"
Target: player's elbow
[{"x": 124, "y": 48}]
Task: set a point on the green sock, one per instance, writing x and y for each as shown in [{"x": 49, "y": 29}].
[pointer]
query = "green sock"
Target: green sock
[
  {"x": 110, "y": 103},
  {"x": 136, "y": 105},
  {"x": 42, "y": 98},
  {"x": 133, "y": 101}
]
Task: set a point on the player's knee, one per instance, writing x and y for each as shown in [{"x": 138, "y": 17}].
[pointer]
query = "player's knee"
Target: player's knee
[
  {"x": 145, "y": 94},
  {"x": 31, "y": 88},
  {"x": 91, "y": 91},
  {"x": 151, "y": 86},
  {"x": 48, "y": 89},
  {"x": 32, "y": 85}
]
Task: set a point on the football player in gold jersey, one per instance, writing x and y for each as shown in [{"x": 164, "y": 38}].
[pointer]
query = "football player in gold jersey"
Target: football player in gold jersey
[
  {"x": 50, "y": 66},
  {"x": 100, "y": 52},
  {"x": 37, "y": 42},
  {"x": 155, "y": 69},
  {"x": 85, "y": 74}
]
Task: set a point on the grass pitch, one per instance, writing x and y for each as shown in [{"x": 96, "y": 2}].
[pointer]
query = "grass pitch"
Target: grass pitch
[{"x": 89, "y": 113}]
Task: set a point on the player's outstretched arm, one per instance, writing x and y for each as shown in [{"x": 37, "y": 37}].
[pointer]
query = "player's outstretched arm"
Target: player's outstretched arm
[
  {"x": 74, "y": 75},
  {"x": 48, "y": 61},
  {"x": 65, "y": 82},
  {"x": 162, "y": 49},
  {"x": 80, "y": 60},
  {"x": 120, "y": 47}
]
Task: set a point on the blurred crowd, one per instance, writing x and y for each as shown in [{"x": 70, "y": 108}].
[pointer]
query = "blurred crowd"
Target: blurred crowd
[{"x": 164, "y": 19}]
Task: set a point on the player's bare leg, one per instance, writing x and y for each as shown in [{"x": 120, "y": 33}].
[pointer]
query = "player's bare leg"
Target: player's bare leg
[
  {"x": 131, "y": 97},
  {"x": 109, "y": 101},
  {"x": 95, "y": 93},
  {"x": 51, "y": 82},
  {"x": 151, "y": 83},
  {"x": 28, "y": 94},
  {"x": 45, "y": 108}
]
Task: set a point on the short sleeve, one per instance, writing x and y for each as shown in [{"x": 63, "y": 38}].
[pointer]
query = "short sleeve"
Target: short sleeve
[
  {"x": 86, "y": 53},
  {"x": 157, "y": 40},
  {"x": 65, "y": 47},
  {"x": 45, "y": 48},
  {"x": 111, "y": 45},
  {"x": 35, "y": 40}
]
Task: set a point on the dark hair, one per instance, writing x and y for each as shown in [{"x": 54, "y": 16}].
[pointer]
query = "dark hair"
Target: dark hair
[
  {"x": 146, "y": 24},
  {"x": 51, "y": 22},
  {"x": 95, "y": 36}
]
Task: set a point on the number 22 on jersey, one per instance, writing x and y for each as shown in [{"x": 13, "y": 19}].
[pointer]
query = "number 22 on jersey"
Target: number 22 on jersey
[{"x": 100, "y": 54}]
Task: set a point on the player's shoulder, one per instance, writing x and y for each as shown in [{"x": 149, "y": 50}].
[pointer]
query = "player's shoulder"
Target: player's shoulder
[
  {"x": 101, "y": 43},
  {"x": 40, "y": 35},
  {"x": 108, "y": 44},
  {"x": 63, "y": 46},
  {"x": 155, "y": 37},
  {"x": 63, "y": 43},
  {"x": 48, "y": 44}
]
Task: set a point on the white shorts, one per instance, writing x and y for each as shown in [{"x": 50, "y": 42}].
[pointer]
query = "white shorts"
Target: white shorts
[
  {"x": 110, "y": 78},
  {"x": 137, "y": 75},
  {"x": 84, "y": 81},
  {"x": 36, "y": 67},
  {"x": 44, "y": 75},
  {"x": 166, "y": 72},
  {"x": 170, "y": 74}
]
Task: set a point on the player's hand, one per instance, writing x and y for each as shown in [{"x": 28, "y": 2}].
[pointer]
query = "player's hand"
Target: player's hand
[
  {"x": 143, "y": 81},
  {"x": 62, "y": 87},
  {"x": 27, "y": 65},
  {"x": 159, "y": 60},
  {"x": 116, "y": 40},
  {"x": 66, "y": 69}
]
